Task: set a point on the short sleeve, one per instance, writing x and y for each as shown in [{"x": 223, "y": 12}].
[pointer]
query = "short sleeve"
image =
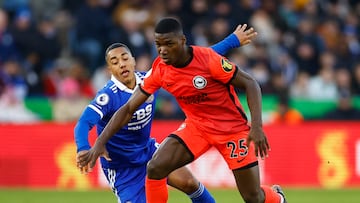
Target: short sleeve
[
  {"x": 152, "y": 79},
  {"x": 221, "y": 68}
]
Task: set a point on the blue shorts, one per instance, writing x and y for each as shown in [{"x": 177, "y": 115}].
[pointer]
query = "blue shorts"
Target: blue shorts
[{"x": 128, "y": 184}]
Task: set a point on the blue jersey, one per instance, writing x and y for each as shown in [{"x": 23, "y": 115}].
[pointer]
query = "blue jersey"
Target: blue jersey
[{"x": 131, "y": 145}]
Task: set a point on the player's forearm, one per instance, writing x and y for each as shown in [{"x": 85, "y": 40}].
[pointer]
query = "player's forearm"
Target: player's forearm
[
  {"x": 117, "y": 121},
  {"x": 226, "y": 44},
  {"x": 253, "y": 95},
  {"x": 81, "y": 136},
  {"x": 81, "y": 131}
]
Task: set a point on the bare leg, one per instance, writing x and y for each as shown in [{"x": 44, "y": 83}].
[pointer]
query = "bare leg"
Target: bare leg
[
  {"x": 248, "y": 184},
  {"x": 183, "y": 180},
  {"x": 171, "y": 155}
]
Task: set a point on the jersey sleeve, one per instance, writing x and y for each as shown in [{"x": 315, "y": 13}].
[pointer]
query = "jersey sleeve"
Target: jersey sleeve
[
  {"x": 152, "y": 79},
  {"x": 226, "y": 44},
  {"x": 81, "y": 131},
  {"x": 93, "y": 113},
  {"x": 221, "y": 68}
]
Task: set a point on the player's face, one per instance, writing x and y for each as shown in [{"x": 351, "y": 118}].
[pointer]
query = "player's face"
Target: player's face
[
  {"x": 122, "y": 65},
  {"x": 170, "y": 47}
]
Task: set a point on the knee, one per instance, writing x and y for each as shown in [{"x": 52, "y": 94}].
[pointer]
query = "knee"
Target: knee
[
  {"x": 253, "y": 197},
  {"x": 155, "y": 171}
]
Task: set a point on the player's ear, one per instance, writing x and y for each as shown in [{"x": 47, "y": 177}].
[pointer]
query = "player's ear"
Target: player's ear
[{"x": 183, "y": 39}]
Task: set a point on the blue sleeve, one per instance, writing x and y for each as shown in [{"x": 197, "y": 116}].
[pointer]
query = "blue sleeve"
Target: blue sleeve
[
  {"x": 81, "y": 131},
  {"x": 226, "y": 44}
]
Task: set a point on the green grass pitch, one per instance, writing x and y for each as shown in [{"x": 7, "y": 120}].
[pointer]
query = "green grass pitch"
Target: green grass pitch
[{"x": 293, "y": 195}]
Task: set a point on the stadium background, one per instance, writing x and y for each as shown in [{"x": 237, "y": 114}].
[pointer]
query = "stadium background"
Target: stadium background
[{"x": 306, "y": 56}]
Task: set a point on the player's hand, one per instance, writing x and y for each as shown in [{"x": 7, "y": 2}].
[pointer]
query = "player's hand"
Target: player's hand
[
  {"x": 83, "y": 169},
  {"x": 245, "y": 36},
  {"x": 257, "y": 136},
  {"x": 89, "y": 159}
]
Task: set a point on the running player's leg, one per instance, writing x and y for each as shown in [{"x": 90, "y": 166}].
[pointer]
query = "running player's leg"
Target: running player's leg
[
  {"x": 248, "y": 184},
  {"x": 183, "y": 180},
  {"x": 244, "y": 165},
  {"x": 170, "y": 156},
  {"x": 128, "y": 183},
  {"x": 175, "y": 151}
]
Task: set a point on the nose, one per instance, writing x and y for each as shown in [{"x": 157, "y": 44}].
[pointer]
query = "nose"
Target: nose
[
  {"x": 122, "y": 65},
  {"x": 162, "y": 50}
]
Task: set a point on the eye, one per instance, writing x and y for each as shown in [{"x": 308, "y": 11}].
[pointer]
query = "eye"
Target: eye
[{"x": 114, "y": 61}]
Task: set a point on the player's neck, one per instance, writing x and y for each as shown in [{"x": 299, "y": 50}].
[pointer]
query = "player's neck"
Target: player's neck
[{"x": 187, "y": 55}]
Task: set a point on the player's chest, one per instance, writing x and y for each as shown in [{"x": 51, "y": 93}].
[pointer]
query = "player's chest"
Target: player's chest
[{"x": 187, "y": 81}]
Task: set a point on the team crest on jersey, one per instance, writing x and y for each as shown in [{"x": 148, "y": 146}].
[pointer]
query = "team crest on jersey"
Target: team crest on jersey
[
  {"x": 226, "y": 65},
  {"x": 102, "y": 99},
  {"x": 150, "y": 99},
  {"x": 199, "y": 82},
  {"x": 182, "y": 126}
]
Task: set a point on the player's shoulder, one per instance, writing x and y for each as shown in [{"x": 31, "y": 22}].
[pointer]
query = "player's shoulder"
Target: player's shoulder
[
  {"x": 109, "y": 88},
  {"x": 107, "y": 93},
  {"x": 157, "y": 61},
  {"x": 141, "y": 75},
  {"x": 203, "y": 50}
]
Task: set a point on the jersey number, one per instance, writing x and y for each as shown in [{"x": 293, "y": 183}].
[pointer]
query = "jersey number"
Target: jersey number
[{"x": 237, "y": 149}]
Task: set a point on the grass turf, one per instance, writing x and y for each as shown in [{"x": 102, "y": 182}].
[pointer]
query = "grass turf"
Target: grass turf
[{"x": 293, "y": 195}]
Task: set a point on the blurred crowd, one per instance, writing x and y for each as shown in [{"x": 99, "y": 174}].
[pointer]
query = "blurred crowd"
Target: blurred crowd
[{"x": 308, "y": 49}]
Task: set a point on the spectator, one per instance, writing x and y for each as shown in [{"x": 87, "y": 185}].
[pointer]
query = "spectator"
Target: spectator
[
  {"x": 345, "y": 109},
  {"x": 50, "y": 48},
  {"x": 284, "y": 113},
  {"x": 13, "y": 90},
  {"x": 90, "y": 33},
  {"x": 129, "y": 20},
  {"x": 355, "y": 72},
  {"x": 323, "y": 85},
  {"x": 343, "y": 79},
  {"x": 299, "y": 89},
  {"x": 8, "y": 49}
]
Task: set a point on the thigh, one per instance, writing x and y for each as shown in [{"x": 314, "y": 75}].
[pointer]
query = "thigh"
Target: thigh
[
  {"x": 170, "y": 155},
  {"x": 128, "y": 184},
  {"x": 194, "y": 139},
  {"x": 178, "y": 149},
  {"x": 234, "y": 150}
]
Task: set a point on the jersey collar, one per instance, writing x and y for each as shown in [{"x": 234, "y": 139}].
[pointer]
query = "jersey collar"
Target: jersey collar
[{"x": 123, "y": 87}]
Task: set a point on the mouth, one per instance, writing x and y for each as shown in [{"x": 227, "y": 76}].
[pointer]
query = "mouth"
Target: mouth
[
  {"x": 165, "y": 59},
  {"x": 125, "y": 73}
]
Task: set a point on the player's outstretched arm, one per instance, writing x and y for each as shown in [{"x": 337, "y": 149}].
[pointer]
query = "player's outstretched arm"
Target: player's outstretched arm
[
  {"x": 120, "y": 118},
  {"x": 81, "y": 133},
  {"x": 240, "y": 37},
  {"x": 245, "y": 36}
]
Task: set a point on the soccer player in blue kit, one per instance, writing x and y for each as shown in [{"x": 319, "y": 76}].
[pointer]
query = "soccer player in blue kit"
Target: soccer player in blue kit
[{"x": 132, "y": 147}]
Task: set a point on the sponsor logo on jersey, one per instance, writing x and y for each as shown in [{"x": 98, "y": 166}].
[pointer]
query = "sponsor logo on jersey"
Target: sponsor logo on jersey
[
  {"x": 226, "y": 65},
  {"x": 102, "y": 99},
  {"x": 199, "y": 82}
]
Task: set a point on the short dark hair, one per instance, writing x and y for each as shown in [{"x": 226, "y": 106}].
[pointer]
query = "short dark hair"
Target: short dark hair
[
  {"x": 115, "y": 45},
  {"x": 167, "y": 25}
]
